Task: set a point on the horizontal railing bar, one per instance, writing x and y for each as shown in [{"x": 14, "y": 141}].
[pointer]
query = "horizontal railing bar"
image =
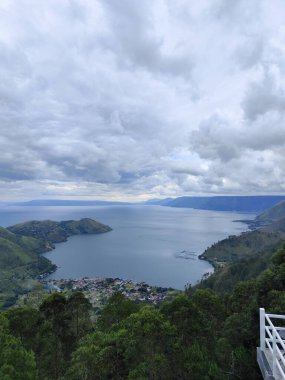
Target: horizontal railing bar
[
  {"x": 277, "y": 328},
  {"x": 279, "y": 316}
]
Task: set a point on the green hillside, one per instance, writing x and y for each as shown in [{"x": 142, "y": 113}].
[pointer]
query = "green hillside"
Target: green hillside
[
  {"x": 19, "y": 259},
  {"x": 226, "y": 277},
  {"x": 244, "y": 257},
  {"x": 243, "y": 246},
  {"x": 57, "y": 232},
  {"x": 20, "y": 248},
  {"x": 275, "y": 213}
]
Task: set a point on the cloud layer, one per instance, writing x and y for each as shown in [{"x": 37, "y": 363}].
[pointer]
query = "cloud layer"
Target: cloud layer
[{"x": 129, "y": 100}]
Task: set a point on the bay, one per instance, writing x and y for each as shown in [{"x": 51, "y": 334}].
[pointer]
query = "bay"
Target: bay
[{"x": 143, "y": 245}]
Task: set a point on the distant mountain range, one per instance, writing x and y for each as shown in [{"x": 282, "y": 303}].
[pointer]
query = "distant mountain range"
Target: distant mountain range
[
  {"x": 254, "y": 204},
  {"x": 67, "y": 202}
]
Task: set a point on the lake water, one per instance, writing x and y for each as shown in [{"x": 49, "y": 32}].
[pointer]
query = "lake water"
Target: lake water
[{"x": 142, "y": 245}]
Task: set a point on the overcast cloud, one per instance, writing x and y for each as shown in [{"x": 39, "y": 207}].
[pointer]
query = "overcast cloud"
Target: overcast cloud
[{"x": 108, "y": 99}]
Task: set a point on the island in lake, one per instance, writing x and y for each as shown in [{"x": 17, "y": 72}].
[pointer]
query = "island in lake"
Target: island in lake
[{"x": 21, "y": 246}]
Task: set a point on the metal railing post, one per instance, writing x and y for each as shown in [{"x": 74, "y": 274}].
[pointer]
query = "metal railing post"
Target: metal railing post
[
  {"x": 274, "y": 357},
  {"x": 262, "y": 328}
]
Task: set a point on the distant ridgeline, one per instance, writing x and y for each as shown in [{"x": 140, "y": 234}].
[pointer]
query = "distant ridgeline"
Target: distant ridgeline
[
  {"x": 21, "y": 246},
  {"x": 254, "y": 204},
  {"x": 243, "y": 257}
]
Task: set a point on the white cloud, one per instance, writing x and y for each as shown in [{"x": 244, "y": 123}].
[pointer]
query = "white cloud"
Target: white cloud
[{"x": 134, "y": 99}]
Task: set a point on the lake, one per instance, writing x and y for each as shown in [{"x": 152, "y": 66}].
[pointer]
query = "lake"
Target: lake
[{"x": 143, "y": 245}]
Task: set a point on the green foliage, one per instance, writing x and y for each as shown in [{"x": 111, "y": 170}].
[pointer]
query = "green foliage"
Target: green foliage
[
  {"x": 21, "y": 322},
  {"x": 20, "y": 246},
  {"x": 99, "y": 356},
  {"x": 117, "y": 309},
  {"x": 243, "y": 246},
  {"x": 226, "y": 278},
  {"x": 78, "y": 307},
  {"x": 16, "y": 363},
  {"x": 56, "y": 232},
  {"x": 199, "y": 335},
  {"x": 279, "y": 257}
]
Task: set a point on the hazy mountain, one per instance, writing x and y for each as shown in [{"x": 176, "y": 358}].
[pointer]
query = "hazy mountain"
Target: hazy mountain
[
  {"x": 159, "y": 202},
  {"x": 273, "y": 214},
  {"x": 254, "y": 204},
  {"x": 67, "y": 202}
]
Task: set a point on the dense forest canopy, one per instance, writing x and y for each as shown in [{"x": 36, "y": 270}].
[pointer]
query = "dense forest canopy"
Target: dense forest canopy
[{"x": 199, "y": 335}]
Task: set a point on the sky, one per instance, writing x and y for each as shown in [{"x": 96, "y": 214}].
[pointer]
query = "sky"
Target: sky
[{"x": 131, "y": 100}]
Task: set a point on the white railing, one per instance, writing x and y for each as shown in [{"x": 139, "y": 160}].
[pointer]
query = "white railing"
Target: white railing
[{"x": 271, "y": 340}]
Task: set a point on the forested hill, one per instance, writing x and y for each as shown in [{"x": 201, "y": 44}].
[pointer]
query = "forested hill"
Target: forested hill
[
  {"x": 56, "y": 232},
  {"x": 255, "y": 204},
  {"x": 244, "y": 256},
  {"x": 20, "y": 248}
]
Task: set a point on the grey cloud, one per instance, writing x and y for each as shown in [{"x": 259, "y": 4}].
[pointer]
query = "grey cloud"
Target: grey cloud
[
  {"x": 136, "y": 43},
  {"x": 250, "y": 51},
  {"x": 239, "y": 12},
  {"x": 97, "y": 97},
  {"x": 263, "y": 96},
  {"x": 216, "y": 139},
  {"x": 187, "y": 169}
]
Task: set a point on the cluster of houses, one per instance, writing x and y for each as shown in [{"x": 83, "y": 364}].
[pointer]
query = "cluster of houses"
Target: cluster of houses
[{"x": 99, "y": 290}]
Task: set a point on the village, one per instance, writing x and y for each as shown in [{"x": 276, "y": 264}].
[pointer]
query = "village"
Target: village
[{"x": 99, "y": 290}]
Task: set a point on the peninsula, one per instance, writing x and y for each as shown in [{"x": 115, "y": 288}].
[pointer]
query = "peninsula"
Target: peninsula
[{"x": 21, "y": 246}]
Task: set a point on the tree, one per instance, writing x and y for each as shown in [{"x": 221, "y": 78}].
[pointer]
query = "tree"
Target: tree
[
  {"x": 55, "y": 339},
  {"x": 78, "y": 308},
  {"x": 16, "y": 363},
  {"x": 148, "y": 343},
  {"x": 24, "y": 324},
  {"x": 117, "y": 309}
]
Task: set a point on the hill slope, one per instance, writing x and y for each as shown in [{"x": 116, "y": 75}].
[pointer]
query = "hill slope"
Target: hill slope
[
  {"x": 57, "y": 232},
  {"x": 20, "y": 246},
  {"x": 273, "y": 214},
  {"x": 243, "y": 257},
  {"x": 19, "y": 259},
  {"x": 245, "y": 245}
]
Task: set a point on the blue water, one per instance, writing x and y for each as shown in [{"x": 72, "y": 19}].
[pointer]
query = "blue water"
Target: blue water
[{"x": 142, "y": 245}]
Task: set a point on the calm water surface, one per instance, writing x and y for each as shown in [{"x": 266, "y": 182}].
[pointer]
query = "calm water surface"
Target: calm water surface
[{"x": 142, "y": 245}]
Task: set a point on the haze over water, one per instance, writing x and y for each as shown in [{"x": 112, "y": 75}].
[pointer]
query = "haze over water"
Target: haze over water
[{"x": 142, "y": 245}]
